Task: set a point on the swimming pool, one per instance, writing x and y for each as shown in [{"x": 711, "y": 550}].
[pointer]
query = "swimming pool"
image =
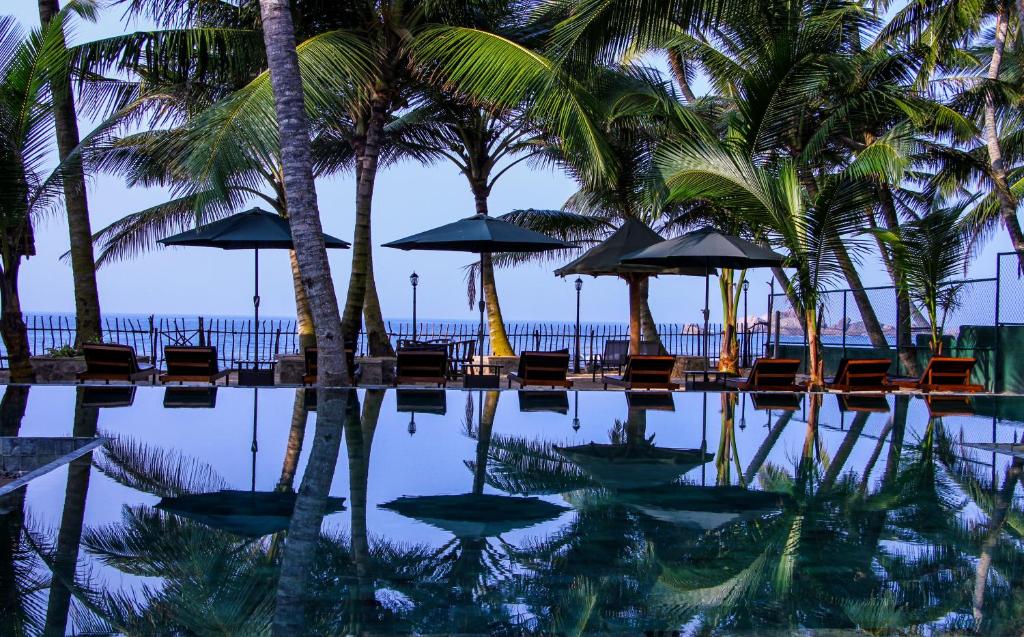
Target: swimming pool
[{"x": 511, "y": 512}]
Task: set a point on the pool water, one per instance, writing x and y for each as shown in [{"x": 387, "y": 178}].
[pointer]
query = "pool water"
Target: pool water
[{"x": 241, "y": 511}]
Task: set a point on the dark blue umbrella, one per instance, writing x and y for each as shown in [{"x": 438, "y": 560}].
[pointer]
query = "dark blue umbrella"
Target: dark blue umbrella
[{"x": 250, "y": 230}]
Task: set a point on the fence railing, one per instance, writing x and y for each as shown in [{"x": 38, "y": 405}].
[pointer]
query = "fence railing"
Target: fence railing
[{"x": 235, "y": 338}]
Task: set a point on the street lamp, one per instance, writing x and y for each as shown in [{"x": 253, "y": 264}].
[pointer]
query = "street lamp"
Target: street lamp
[
  {"x": 576, "y": 411},
  {"x": 412, "y": 424},
  {"x": 579, "y": 287},
  {"x": 414, "y": 279},
  {"x": 746, "y": 328}
]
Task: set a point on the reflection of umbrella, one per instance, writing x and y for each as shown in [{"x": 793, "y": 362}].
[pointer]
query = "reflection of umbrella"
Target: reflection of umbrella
[
  {"x": 190, "y": 397},
  {"x": 108, "y": 396},
  {"x": 249, "y": 230},
  {"x": 636, "y": 465},
  {"x": 475, "y": 515},
  {"x": 541, "y": 400},
  {"x": 702, "y": 508},
  {"x": 481, "y": 234},
  {"x": 709, "y": 249},
  {"x": 247, "y": 513}
]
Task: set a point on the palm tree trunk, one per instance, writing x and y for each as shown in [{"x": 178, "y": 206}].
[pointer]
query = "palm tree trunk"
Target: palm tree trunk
[
  {"x": 648, "y": 328},
  {"x": 12, "y": 325},
  {"x": 815, "y": 364},
  {"x": 867, "y": 313},
  {"x": 678, "y": 66},
  {"x": 1007, "y": 202},
  {"x": 367, "y": 156},
  {"x": 69, "y": 537},
  {"x": 766, "y": 446},
  {"x": 787, "y": 288},
  {"x": 300, "y": 190},
  {"x": 303, "y": 315},
  {"x": 358, "y": 441},
  {"x": 296, "y": 434},
  {"x": 729, "y": 356},
  {"x": 903, "y": 307},
  {"x": 1003, "y": 502},
  {"x": 723, "y": 459},
  {"x": 635, "y": 303},
  {"x": 500, "y": 345},
  {"x": 376, "y": 331},
  {"x": 843, "y": 453},
  {"x": 483, "y": 439},
  {"x": 83, "y": 264}
]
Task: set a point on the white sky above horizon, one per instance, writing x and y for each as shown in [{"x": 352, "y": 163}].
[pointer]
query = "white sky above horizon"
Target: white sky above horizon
[{"x": 408, "y": 198}]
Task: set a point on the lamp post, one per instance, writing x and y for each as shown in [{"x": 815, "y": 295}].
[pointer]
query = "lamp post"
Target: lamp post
[
  {"x": 576, "y": 411},
  {"x": 414, "y": 279},
  {"x": 412, "y": 424},
  {"x": 579, "y": 286},
  {"x": 746, "y": 327}
]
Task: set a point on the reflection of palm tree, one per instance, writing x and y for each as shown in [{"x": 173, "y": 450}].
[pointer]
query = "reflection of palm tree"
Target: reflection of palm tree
[
  {"x": 296, "y": 434},
  {"x": 65, "y": 557}
]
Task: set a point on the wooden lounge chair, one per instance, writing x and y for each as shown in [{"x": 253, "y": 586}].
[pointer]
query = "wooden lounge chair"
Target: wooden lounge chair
[
  {"x": 422, "y": 364},
  {"x": 862, "y": 374},
  {"x": 645, "y": 372},
  {"x": 770, "y": 374},
  {"x": 192, "y": 364},
  {"x": 944, "y": 374},
  {"x": 786, "y": 401},
  {"x": 939, "y": 406},
  {"x": 311, "y": 355},
  {"x": 542, "y": 369},
  {"x": 863, "y": 403},
  {"x": 616, "y": 354},
  {"x": 113, "y": 362}
]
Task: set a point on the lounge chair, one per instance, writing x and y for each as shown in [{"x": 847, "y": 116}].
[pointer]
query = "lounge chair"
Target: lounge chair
[
  {"x": 862, "y": 374},
  {"x": 460, "y": 354},
  {"x": 644, "y": 372},
  {"x": 311, "y": 355},
  {"x": 422, "y": 364},
  {"x": 190, "y": 397},
  {"x": 616, "y": 354},
  {"x": 770, "y": 374},
  {"x": 192, "y": 364},
  {"x": 543, "y": 400},
  {"x": 939, "y": 406},
  {"x": 650, "y": 400},
  {"x": 107, "y": 397},
  {"x": 113, "y": 362},
  {"x": 944, "y": 374},
  {"x": 786, "y": 401},
  {"x": 864, "y": 403},
  {"x": 542, "y": 369}
]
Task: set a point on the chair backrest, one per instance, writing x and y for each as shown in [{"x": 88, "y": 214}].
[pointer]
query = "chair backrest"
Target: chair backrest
[
  {"x": 423, "y": 362},
  {"x": 773, "y": 372},
  {"x": 312, "y": 355},
  {"x": 462, "y": 351},
  {"x": 190, "y": 361},
  {"x": 649, "y": 369},
  {"x": 615, "y": 353},
  {"x": 116, "y": 360},
  {"x": 863, "y": 372},
  {"x": 541, "y": 366},
  {"x": 944, "y": 370},
  {"x": 650, "y": 348}
]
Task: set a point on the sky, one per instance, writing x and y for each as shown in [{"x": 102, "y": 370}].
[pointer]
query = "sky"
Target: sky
[{"x": 408, "y": 198}]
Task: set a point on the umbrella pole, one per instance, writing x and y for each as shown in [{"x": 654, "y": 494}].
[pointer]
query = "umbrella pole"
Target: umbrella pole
[
  {"x": 481, "y": 306},
  {"x": 256, "y": 310},
  {"x": 707, "y": 314},
  {"x": 255, "y": 445}
]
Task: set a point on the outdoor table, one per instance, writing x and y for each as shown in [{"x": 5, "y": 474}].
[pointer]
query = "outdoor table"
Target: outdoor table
[
  {"x": 255, "y": 373},
  {"x": 475, "y": 377}
]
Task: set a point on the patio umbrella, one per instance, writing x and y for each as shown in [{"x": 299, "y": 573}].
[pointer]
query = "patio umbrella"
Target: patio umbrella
[
  {"x": 246, "y": 513},
  {"x": 253, "y": 229},
  {"x": 481, "y": 234},
  {"x": 709, "y": 249},
  {"x": 703, "y": 508}
]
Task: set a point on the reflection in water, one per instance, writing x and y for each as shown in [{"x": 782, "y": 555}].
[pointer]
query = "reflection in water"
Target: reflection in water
[{"x": 884, "y": 521}]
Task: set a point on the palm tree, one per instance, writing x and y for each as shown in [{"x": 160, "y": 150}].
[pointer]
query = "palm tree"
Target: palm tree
[
  {"x": 931, "y": 252},
  {"x": 83, "y": 267},
  {"x": 27, "y": 66}
]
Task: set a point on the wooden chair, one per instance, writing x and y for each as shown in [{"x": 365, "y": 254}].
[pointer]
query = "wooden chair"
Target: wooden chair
[
  {"x": 423, "y": 364},
  {"x": 944, "y": 374},
  {"x": 786, "y": 401},
  {"x": 312, "y": 354},
  {"x": 616, "y": 355},
  {"x": 644, "y": 372},
  {"x": 862, "y": 374},
  {"x": 542, "y": 369},
  {"x": 192, "y": 364},
  {"x": 532, "y": 400},
  {"x": 460, "y": 353},
  {"x": 770, "y": 374},
  {"x": 113, "y": 362},
  {"x": 863, "y": 403}
]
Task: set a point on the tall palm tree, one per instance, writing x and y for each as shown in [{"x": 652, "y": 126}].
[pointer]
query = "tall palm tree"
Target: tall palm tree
[{"x": 83, "y": 267}]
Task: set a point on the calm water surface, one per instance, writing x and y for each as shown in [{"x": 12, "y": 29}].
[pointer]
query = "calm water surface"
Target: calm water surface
[{"x": 505, "y": 512}]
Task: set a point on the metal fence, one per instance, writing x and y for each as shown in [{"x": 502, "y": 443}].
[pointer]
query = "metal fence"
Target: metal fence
[{"x": 235, "y": 338}]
